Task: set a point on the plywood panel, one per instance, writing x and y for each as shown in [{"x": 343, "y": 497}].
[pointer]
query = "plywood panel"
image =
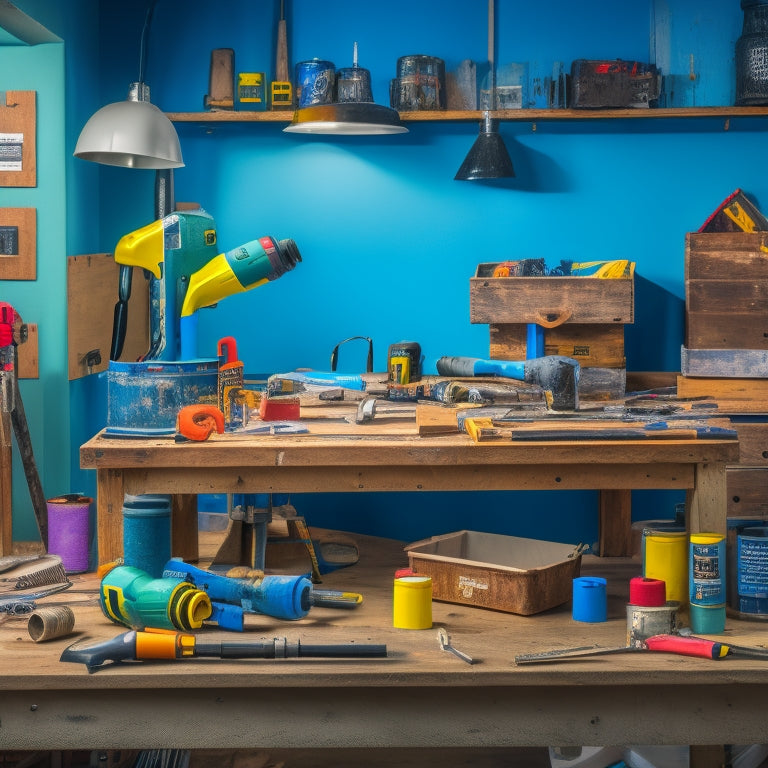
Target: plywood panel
[
  {"x": 18, "y": 242},
  {"x": 18, "y": 159},
  {"x": 92, "y": 284}
]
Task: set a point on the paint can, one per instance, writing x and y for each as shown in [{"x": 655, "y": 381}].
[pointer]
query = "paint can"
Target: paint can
[
  {"x": 147, "y": 532},
  {"x": 353, "y": 84},
  {"x": 68, "y": 530},
  {"x": 315, "y": 82},
  {"x": 665, "y": 557},
  {"x": 590, "y": 600},
  {"x": 419, "y": 85},
  {"x": 412, "y": 602},
  {"x": 752, "y": 572},
  {"x": 706, "y": 567},
  {"x": 644, "y": 621}
]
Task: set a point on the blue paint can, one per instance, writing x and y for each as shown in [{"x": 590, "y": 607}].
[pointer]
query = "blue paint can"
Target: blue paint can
[
  {"x": 147, "y": 532},
  {"x": 315, "y": 82},
  {"x": 752, "y": 571}
]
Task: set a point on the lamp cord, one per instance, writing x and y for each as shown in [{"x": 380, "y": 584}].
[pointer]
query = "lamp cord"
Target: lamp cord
[{"x": 144, "y": 38}]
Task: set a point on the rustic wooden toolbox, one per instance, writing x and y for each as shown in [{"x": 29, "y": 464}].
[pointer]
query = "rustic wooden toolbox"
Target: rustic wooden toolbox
[
  {"x": 489, "y": 570},
  {"x": 582, "y": 317},
  {"x": 550, "y": 301},
  {"x": 726, "y": 290}
]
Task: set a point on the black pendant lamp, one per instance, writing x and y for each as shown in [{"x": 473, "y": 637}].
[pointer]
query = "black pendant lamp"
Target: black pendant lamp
[{"x": 488, "y": 158}]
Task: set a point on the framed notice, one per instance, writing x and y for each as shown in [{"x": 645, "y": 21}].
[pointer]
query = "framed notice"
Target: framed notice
[
  {"x": 18, "y": 161},
  {"x": 18, "y": 244}
]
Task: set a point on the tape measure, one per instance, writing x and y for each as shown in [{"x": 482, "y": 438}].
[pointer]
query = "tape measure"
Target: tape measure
[{"x": 404, "y": 362}]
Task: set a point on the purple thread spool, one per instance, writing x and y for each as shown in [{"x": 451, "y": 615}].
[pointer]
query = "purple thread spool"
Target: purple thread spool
[{"x": 68, "y": 527}]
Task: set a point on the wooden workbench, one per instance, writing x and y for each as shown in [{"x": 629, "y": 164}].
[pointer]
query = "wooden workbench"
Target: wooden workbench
[
  {"x": 388, "y": 454},
  {"x": 419, "y": 696}
]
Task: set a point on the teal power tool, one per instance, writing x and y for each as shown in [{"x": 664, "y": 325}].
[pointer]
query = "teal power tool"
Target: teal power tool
[
  {"x": 131, "y": 597},
  {"x": 187, "y": 272}
]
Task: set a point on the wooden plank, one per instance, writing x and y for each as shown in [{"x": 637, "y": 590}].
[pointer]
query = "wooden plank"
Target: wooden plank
[
  {"x": 747, "y": 492},
  {"x": 551, "y": 301},
  {"x": 615, "y": 523},
  {"x": 28, "y": 355},
  {"x": 753, "y": 442},
  {"x": 744, "y": 390},
  {"x": 704, "y": 502},
  {"x": 436, "y": 420},
  {"x": 18, "y": 117},
  {"x": 726, "y": 256},
  {"x": 92, "y": 285},
  {"x": 109, "y": 523},
  {"x": 746, "y": 298},
  {"x": 711, "y": 330}
]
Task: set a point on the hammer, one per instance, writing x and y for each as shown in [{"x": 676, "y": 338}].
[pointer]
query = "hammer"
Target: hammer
[{"x": 553, "y": 373}]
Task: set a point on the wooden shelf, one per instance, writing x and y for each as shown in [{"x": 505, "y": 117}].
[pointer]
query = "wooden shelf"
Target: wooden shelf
[{"x": 516, "y": 115}]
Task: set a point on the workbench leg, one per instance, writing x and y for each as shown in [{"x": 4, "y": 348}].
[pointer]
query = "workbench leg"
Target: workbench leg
[
  {"x": 184, "y": 537},
  {"x": 110, "y": 493},
  {"x": 615, "y": 523},
  {"x": 706, "y": 505},
  {"x": 704, "y": 756}
]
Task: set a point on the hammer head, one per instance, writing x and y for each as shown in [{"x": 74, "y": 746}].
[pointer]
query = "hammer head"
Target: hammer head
[{"x": 558, "y": 375}]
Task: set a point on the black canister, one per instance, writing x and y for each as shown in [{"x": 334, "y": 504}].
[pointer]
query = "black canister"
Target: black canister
[
  {"x": 752, "y": 55},
  {"x": 419, "y": 85}
]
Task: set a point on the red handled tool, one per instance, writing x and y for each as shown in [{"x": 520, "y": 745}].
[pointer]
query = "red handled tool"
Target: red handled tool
[{"x": 677, "y": 644}]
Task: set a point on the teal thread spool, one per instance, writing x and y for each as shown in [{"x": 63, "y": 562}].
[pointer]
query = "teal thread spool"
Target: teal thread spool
[{"x": 147, "y": 532}]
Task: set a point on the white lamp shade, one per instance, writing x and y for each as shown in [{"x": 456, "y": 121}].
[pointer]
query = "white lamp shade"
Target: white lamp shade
[{"x": 131, "y": 134}]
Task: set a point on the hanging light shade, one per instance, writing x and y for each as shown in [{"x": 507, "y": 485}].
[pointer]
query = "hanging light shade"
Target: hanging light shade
[
  {"x": 488, "y": 158},
  {"x": 133, "y": 134},
  {"x": 351, "y": 118}
]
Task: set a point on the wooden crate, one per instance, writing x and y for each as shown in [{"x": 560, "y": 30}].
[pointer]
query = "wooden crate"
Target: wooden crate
[
  {"x": 726, "y": 290},
  {"x": 594, "y": 346},
  {"x": 549, "y": 301}
]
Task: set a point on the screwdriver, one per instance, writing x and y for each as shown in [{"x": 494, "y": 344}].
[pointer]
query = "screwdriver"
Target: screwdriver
[{"x": 682, "y": 646}]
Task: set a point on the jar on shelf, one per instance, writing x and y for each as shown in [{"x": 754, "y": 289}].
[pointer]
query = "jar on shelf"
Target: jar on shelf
[{"x": 752, "y": 55}]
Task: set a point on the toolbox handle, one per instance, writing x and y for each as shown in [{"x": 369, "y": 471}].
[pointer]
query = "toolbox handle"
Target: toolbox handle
[{"x": 552, "y": 318}]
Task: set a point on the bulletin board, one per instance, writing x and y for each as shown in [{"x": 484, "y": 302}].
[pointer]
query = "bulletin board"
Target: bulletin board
[
  {"x": 18, "y": 160},
  {"x": 18, "y": 244}
]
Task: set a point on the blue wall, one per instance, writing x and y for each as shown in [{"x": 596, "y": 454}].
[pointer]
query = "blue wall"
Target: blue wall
[{"x": 389, "y": 239}]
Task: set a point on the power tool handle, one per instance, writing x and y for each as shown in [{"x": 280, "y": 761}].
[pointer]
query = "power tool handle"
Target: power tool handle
[{"x": 687, "y": 646}]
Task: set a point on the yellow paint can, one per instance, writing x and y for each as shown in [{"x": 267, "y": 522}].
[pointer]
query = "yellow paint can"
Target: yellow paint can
[{"x": 665, "y": 557}]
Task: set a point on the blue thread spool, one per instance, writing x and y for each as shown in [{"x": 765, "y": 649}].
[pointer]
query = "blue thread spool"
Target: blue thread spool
[
  {"x": 315, "y": 82},
  {"x": 590, "y": 601},
  {"x": 147, "y": 532}
]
